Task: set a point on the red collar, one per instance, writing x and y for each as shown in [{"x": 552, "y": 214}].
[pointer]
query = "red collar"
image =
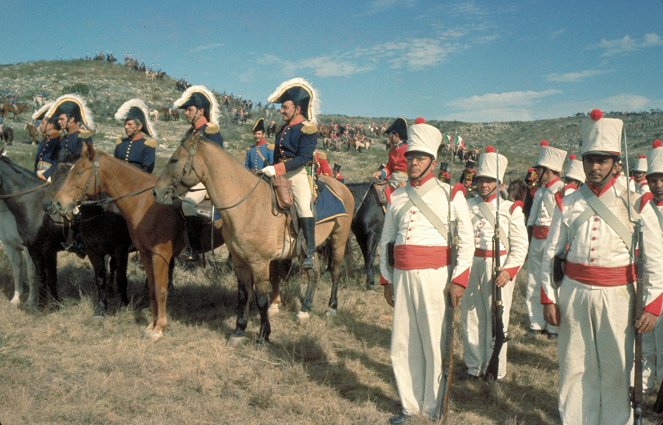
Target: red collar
[
  {"x": 552, "y": 181},
  {"x": 201, "y": 122},
  {"x": 423, "y": 180},
  {"x": 490, "y": 198},
  {"x": 659, "y": 203},
  {"x": 261, "y": 142},
  {"x": 605, "y": 188}
]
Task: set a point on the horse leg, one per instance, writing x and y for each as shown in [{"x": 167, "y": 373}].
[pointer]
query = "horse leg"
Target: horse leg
[
  {"x": 99, "y": 266},
  {"x": 121, "y": 263},
  {"x": 15, "y": 256},
  {"x": 307, "y": 303},
  {"x": 275, "y": 270},
  {"x": 262, "y": 290},
  {"x": 51, "y": 269},
  {"x": 146, "y": 258},
  {"x": 171, "y": 268},
  {"x": 160, "y": 264},
  {"x": 32, "y": 280},
  {"x": 243, "y": 280},
  {"x": 369, "y": 259}
]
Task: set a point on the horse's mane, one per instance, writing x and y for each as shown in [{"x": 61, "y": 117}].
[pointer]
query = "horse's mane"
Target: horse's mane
[
  {"x": 22, "y": 171},
  {"x": 240, "y": 165},
  {"x": 358, "y": 191},
  {"x": 125, "y": 165}
]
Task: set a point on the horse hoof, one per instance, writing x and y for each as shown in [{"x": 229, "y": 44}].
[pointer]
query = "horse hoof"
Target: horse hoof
[
  {"x": 235, "y": 340},
  {"x": 303, "y": 315},
  {"x": 273, "y": 310},
  {"x": 331, "y": 312},
  {"x": 16, "y": 301}
]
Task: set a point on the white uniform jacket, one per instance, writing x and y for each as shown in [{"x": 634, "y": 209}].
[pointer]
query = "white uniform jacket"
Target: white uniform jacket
[
  {"x": 597, "y": 250},
  {"x": 540, "y": 216},
  {"x": 512, "y": 223},
  {"x": 414, "y": 235}
]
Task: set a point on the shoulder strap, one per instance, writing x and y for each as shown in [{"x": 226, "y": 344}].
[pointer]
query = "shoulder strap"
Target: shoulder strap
[
  {"x": 606, "y": 214},
  {"x": 659, "y": 214},
  {"x": 427, "y": 211},
  {"x": 488, "y": 212},
  {"x": 260, "y": 153}
]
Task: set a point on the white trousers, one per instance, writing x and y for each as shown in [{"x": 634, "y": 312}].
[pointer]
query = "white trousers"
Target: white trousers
[
  {"x": 595, "y": 352},
  {"x": 652, "y": 358},
  {"x": 301, "y": 191},
  {"x": 533, "y": 289},
  {"x": 417, "y": 338},
  {"x": 477, "y": 318}
]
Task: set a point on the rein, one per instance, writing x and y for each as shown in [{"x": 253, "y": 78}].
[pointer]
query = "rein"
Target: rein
[{"x": 25, "y": 192}]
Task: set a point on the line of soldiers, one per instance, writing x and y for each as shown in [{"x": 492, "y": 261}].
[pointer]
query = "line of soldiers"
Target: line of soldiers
[{"x": 582, "y": 222}]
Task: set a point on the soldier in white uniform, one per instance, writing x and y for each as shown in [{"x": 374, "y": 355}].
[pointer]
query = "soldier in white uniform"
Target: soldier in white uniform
[
  {"x": 548, "y": 167},
  {"x": 476, "y": 310},
  {"x": 574, "y": 175},
  {"x": 639, "y": 175},
  {"x": 417, "y": 223},
  {"x": 652, "y": 343},
  {"x": 594, "y": 305}
]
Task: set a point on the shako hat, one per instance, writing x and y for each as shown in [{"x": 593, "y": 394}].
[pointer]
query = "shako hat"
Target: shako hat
[
  {"x": 200, "y": 97},
  {"x": 574, "y": 169},
  {"x": 136, "y": 109},
  {"x": 259, "y": 125},
  {"x": 549, "y": 157},
  {"x": 488, "y": 164},
  {"x": 640, "y": 163},
  {"x": 399, "y": 126},
  {"x": 423, "y": 138},
  {"x": 655, "y": 158},
  {"x": 600, "y": 135},
  {"x": 73, "y": 106},
  {"x": 40, "y": 113},
  {"x": 301, "y": 93}
]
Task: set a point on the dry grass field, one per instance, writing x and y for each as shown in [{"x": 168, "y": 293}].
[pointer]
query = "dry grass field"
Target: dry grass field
[{"x": 64, "y": 366}]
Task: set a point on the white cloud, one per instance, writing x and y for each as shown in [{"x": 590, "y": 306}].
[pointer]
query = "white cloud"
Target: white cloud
[
  {"x": 625, "y": 102},
  {"x": 206, "y": 47},
  {"x": 506, "y": 100},
  {"x": 627, "y": 44},
  {"x": 556, "y": 34},
  {"x": 324, "y": 66},
  {"x": 490, "y": 115},
  {"x": 576, "y": 76}
]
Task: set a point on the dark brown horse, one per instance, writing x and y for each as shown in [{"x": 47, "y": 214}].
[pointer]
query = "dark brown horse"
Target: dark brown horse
[
  {"x": 156, "y": 230},
  {"x": 245, "y": 203}
]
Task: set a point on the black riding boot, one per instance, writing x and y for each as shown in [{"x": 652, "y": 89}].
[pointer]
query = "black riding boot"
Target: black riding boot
[
  {"x": 307, "y": 225},
  {"x": 192, "y": 251}
]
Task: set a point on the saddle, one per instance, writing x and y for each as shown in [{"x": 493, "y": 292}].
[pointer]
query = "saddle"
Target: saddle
[
  {"x": 204, "y": 211},
  {"x": 380, "y": 187}
]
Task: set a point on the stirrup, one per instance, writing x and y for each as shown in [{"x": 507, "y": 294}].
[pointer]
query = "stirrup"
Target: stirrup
[{"x": 308, "y": 264}]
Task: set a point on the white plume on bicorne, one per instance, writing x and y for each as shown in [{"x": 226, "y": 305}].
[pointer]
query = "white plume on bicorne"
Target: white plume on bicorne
[
  {"x": 314, "y": 102},
  {"x": 86, "y": 114},
  {"x": 214, "y": 112},
  {"x": 45, "y": 107},
  {"x": 124, "y": 109}
]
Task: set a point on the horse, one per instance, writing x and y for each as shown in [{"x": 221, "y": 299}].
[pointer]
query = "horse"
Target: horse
[
  {"x": 245, "y": 199},
  {"x": 18, "y": 256},
  {"x": 157, "y": 230},
  {"x": 519, "y": 191},
  {"x": 25, "y": 194},
  {"x": 33, "y": 133},
  {"x": 7, "y": 134},
  {"x": 367, "y": 225}
]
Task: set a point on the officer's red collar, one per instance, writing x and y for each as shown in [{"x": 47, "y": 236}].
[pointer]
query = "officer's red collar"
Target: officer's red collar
[
  {"x": 608, "y": 185},
  {"x": 552, "y": 181},
  {"x": 261, "y": 142},
  {"x": 201, "y": 122},
  {"x": 423, "y": 180},
  {"x": 296, "y": 120}
]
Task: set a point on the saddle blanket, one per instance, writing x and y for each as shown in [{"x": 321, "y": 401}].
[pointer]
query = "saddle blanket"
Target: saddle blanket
[{"x": 328, "y": 205}]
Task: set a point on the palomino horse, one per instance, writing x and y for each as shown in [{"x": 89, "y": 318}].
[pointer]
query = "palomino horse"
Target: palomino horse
[
  {"x": 156, "y": 230},
  {"x": 245, "y": 203}
]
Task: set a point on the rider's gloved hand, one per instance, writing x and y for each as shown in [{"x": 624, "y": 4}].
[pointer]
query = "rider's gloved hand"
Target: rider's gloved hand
[{"x": 269, "y": 171}]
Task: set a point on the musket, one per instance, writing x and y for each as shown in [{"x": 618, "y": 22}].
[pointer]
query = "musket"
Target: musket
[
  {"x": 636, "y": 389},
  {"x": 498, "y": 305},
  {"x": 450, "y": 312}
]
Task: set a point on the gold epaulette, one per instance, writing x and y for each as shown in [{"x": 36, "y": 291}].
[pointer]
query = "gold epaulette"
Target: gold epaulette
[
  {"x": 309, "y": 127},
  {"x": 118, "y": 140},
  {"x": 152, "y": 143},
  {"x": 270, "y": 146},
  {"x": 211, "y": 129},
  {"x": 85, "y": 134}
]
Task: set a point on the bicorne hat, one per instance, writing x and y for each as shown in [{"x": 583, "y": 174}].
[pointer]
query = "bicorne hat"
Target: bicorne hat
[
  {"x": 73, "y": 106},
  {"x": 259, "y": 125},
  {"x": 200, "y": 97},
  {"x": 301, "y": 93},
  {"x": 399, "y": 126},
  {"x": 135, "y": 109}
]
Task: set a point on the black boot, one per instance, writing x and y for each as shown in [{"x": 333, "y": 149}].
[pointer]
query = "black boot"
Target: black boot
[
  {"x": 192, "y": 251},
  {"x": 307, "y": 225}
]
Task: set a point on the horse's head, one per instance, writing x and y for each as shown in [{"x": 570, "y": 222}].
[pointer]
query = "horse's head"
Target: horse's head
[
  {"x": 82, "y": 181},
  {"x": 179, "y": 174}
]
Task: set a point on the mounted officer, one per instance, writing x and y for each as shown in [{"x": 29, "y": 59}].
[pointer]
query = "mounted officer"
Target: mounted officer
[
  {"x": 201, "y": 110},
  {"x": 293, "y": 151},
  {"x": 47, "y": 149},
  {"x": 138, "y": 148}
]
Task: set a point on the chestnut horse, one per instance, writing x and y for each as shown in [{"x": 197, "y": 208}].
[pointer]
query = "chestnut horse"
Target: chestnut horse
[
  {"x": 156, "y": 230},
  {"x": 254, "y": 232}
]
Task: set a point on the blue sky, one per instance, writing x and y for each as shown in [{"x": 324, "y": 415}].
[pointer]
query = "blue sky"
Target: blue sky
[{"x": 477, "y": 61}]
